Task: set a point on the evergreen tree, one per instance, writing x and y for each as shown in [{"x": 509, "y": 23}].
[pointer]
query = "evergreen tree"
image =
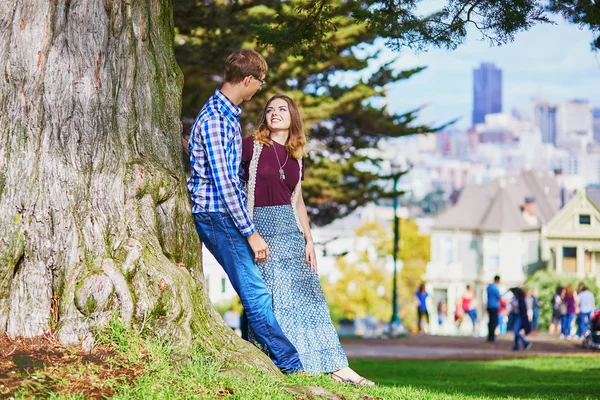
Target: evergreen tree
[{"x": 340, "y": 119}]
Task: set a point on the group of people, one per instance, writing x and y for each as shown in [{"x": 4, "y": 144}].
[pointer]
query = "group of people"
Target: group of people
[
  {"x": 570, "y": 306},
  {"x": 523, "y": 311},
  {"x": 465, "y": 306},
  {"x": 517, "y": 311},
  {"x": 520, "y": 313},
  {"x": 250, "y": 214}
]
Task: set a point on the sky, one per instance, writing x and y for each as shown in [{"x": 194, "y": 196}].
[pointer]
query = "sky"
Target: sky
[{"x": 551, "y": 61}]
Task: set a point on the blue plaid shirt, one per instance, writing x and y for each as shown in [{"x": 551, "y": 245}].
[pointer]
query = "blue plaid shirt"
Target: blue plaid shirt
[{"x": 215, "y": 149}]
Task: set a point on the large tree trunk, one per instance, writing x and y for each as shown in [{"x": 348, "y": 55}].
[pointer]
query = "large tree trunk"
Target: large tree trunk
[{"x": 94, "y": 214}]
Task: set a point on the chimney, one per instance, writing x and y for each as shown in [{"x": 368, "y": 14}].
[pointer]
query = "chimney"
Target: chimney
[
  {"x": 529, "y": 206},
  {"x": 558, "y": 175},
  {"x": 529, "y": 211}
]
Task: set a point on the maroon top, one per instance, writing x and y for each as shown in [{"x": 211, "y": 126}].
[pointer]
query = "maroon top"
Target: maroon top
[{"x": 270, "y": 190}]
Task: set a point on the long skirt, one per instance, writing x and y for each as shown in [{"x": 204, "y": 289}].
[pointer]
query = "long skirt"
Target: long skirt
[{"x": 298, "y": 301}]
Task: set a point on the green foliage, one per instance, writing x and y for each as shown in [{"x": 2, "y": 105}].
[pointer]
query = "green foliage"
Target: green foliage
[
  {"x": 339, "y": 115},
  {"x": 234, "y": 304},
  {"x": 546, "y": 283},
  {"x": 401, "y": 23},
  {"x": 366, "y": 286}
]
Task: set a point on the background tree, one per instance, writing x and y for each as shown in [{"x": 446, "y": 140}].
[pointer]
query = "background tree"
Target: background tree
[
  {"x": 94, "y": 213},
  {"x": 339, "y": 113},
  {"x": 403, "y": 25},
  {"x": 364, "y": 286}
]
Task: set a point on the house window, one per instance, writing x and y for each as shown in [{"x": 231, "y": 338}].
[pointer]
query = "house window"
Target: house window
[
  {"x": 493, "y": 262},
  {"x": 223, "y": 285},
  {"x": 585, "y": 220},
  {"x": 569, "y": 259},
  {"x": 449, "y": 251}
]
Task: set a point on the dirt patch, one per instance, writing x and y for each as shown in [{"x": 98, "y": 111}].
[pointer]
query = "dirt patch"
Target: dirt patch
[
  {"x": 460, "y": 347},
  {"x": 42, "y": 364}
]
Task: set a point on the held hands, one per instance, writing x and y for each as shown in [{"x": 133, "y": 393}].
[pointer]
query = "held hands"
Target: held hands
[
  {"x": 259, "y": 247},
  {"x": 311, "y": 257}
]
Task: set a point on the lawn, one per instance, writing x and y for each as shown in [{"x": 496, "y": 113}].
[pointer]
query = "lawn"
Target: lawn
[
  {"x": 129, "y": 366},
  {"x": 566, "y": 377}
]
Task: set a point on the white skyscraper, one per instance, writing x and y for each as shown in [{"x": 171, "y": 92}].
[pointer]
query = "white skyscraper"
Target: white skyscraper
[{"x": 574, "y": 125}]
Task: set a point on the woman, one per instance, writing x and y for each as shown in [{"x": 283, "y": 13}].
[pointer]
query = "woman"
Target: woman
[
  {"x": 520, "y": 319},
  {"x": 274, "y": 169},
  {"x": 468, "y": 306},
  {"x": 421, "y": 297},
  {"x": 570, "y": 304},
  {"x": 556, "y": 306}
]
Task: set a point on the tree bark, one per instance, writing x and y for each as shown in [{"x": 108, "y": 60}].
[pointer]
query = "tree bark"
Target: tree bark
[{"x": 94, "y": 213}]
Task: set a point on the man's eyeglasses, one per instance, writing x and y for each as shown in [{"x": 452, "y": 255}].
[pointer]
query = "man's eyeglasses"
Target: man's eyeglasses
[{"x": 262, "y": 82}]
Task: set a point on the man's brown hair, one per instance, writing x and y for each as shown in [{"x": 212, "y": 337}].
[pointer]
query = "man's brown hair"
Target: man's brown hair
[{"x": 243, "y": 63}]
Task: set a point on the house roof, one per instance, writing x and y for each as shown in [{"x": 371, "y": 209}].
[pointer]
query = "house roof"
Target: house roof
[
  {"x": 593, "y": 193},
  {"x": 497, "y": 205}
]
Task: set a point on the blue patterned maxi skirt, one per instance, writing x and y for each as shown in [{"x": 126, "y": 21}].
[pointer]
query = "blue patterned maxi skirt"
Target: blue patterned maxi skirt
[{"x": 298, "y": 301}]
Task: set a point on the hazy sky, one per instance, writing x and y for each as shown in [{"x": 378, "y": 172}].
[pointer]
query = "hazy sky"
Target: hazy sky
[{"x": 555, "y": 62}]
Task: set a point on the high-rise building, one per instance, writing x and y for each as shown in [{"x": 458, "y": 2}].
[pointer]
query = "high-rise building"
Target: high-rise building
[
  {"x": 487, "y": 91},
  {"x": 544, "y": 117},
  {"x": 597, "y": 125},
  {"x": 574, "y": 125}
]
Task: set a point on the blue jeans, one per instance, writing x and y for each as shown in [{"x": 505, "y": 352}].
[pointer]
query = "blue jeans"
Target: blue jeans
[
  {"x": 230, "y": 248},
  {"x": 518, "y": 325},
  {"x": 565, "y": 324},
  {"x": 584, "y": 322},
  {"x": 535, "y": 319}
]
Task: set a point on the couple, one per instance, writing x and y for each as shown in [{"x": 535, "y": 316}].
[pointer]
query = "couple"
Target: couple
[{"x": 262, "y": 237}]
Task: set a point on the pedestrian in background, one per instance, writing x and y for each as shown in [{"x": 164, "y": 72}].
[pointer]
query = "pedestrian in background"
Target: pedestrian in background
[
  {"x": 468, "y": 306},
  {"x": 556, "y": 310},
  {"x": 421, "y": 296},
  {"x": 569, "y": 303},
  {"x": 520, "y": 320},
  {"x": 587, "y": 304},
  {"x": 535, "y": 310},
  {"x": 493, "y": 306}
]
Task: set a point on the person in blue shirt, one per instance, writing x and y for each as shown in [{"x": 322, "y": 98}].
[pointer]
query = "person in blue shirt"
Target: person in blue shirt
[
  {"x": 421, "y": 296},
  {"x": 493, "y": 304},
  {"x": 219, "y": 202}
]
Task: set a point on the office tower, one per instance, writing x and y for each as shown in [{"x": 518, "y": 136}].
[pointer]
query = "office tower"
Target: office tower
[
  {"x": 574, "y": 125},
  {"x": 544, "y": 117},
  {"x": 597, "y": 125},
  {"x": 487, "y": 91}
]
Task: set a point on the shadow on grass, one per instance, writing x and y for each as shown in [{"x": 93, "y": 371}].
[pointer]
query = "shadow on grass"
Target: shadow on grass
[{"x": 538, "y": 378}]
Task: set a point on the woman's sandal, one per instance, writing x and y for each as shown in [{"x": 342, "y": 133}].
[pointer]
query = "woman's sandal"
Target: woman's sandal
[{"x": 364, "y": 382}]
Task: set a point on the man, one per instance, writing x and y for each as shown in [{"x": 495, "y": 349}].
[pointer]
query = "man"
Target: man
[
  {"x": 587, "y": 304},
  {"x": 219, "y": 202},
  {"x": 493, "y": 304}
]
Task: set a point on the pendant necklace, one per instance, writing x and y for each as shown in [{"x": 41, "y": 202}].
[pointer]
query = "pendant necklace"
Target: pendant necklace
[{"x": 287, "y": 155}]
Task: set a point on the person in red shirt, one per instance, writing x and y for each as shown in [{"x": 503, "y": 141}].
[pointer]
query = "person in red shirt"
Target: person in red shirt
[{"x": 468, "y": 306}]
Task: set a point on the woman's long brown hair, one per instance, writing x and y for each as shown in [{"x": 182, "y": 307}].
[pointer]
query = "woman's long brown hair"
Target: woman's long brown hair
[{"x": 296, "y": 138}]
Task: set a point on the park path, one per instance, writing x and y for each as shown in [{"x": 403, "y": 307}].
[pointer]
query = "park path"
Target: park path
[{"x": 459, "y": 348}]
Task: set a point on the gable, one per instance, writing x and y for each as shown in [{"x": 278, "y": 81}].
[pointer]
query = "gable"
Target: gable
[{"x": 570, "y": 222}]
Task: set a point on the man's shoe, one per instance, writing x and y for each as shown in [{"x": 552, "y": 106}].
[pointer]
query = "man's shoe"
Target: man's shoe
[{"x": 528, "y": 346}]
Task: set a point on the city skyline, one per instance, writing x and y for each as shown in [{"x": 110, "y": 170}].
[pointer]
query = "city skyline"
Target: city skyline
[{"x": 554, "y": 62}]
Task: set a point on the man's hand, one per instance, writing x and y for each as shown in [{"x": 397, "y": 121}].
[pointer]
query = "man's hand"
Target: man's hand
[{"x": 259, "y": 247}]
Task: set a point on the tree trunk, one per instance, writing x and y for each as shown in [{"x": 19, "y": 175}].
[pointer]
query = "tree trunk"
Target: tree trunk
[{"x": 94, "y": 214}]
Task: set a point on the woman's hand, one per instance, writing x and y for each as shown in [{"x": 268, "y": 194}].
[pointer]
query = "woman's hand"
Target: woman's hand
[{"x": 311, "y": 257}]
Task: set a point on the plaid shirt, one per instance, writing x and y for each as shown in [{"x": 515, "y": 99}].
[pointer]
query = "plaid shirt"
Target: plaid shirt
[{"x": 215, "y": 149}]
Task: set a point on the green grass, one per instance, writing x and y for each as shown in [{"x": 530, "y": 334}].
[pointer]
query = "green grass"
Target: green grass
[
  {"x": 529, "y": 378},
  {"x": 149, "y": 368}
]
